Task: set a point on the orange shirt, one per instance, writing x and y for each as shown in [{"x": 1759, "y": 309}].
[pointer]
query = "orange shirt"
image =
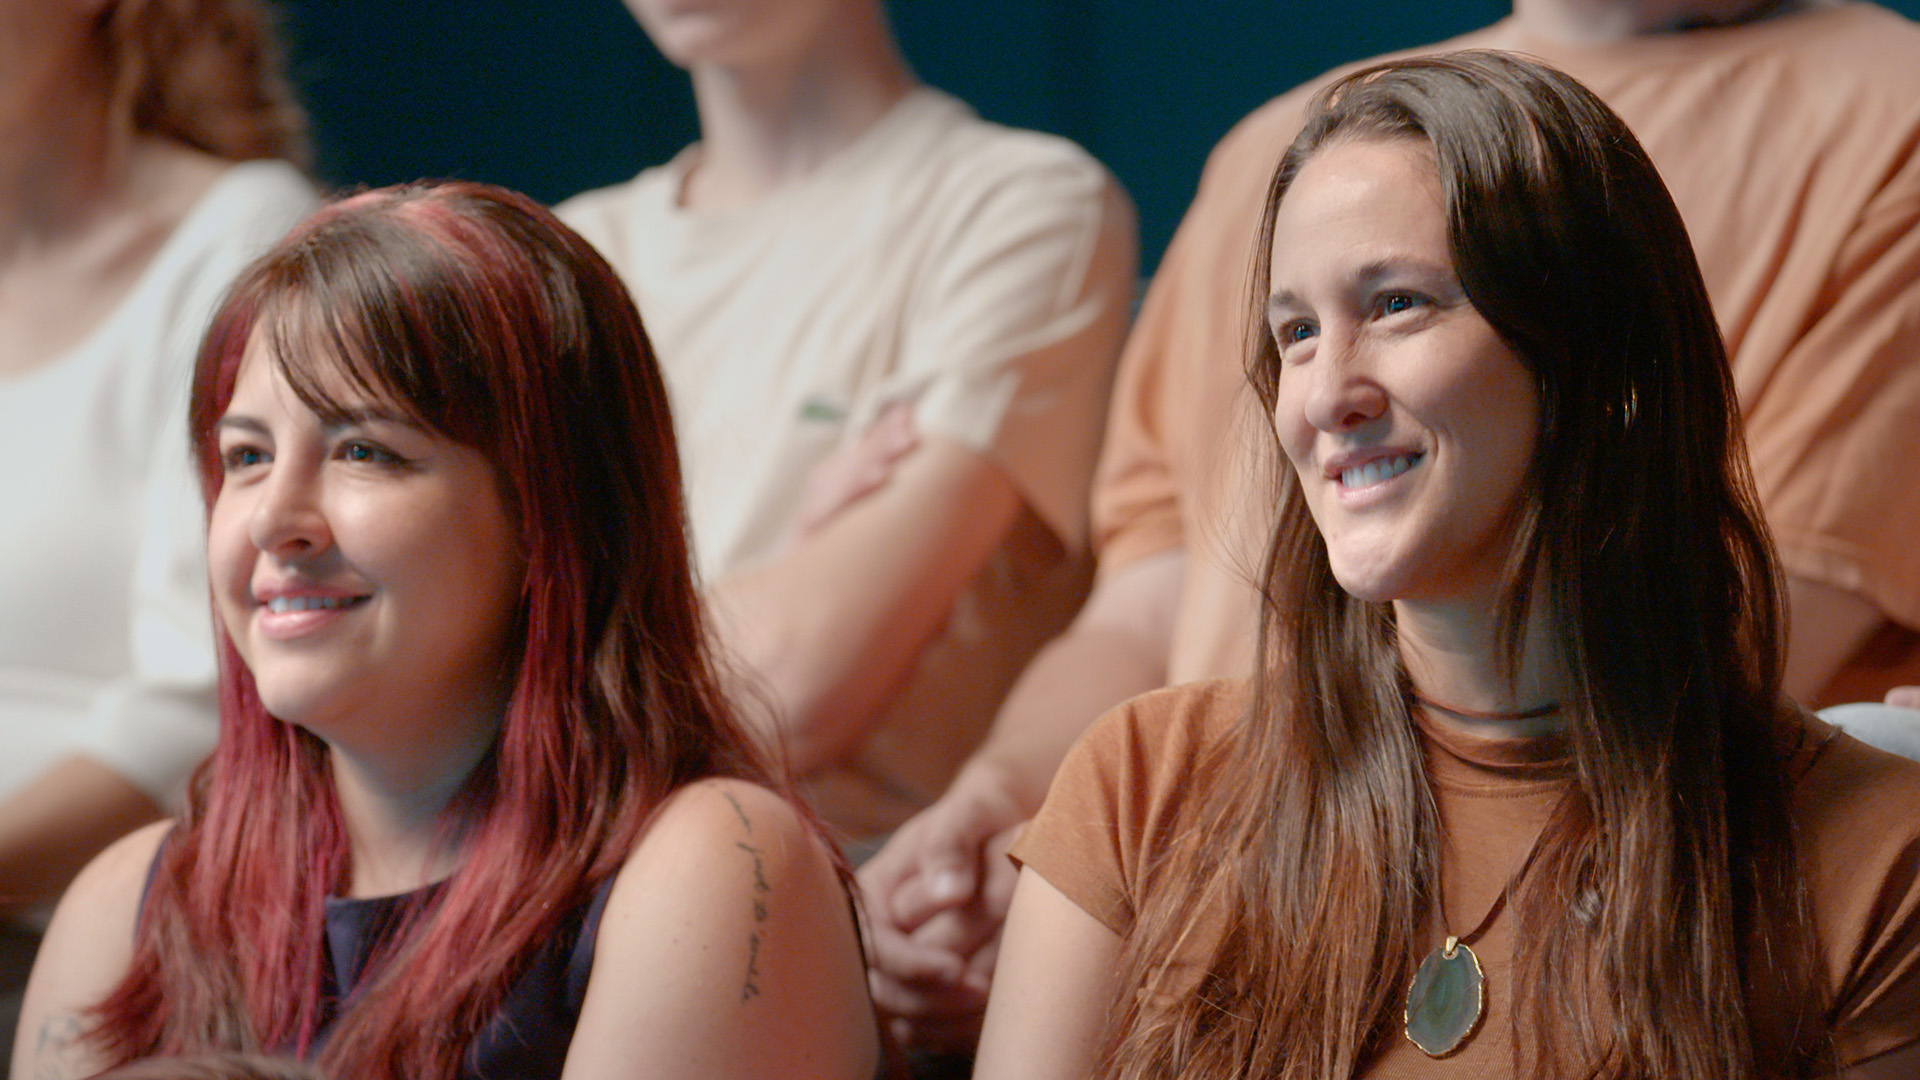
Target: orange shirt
[{"x": 1124, "y": 797}]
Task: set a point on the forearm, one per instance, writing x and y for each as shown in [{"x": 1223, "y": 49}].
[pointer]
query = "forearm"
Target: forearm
[
  {"x": 826, "y": 634},
  {"x": 1116, "y": 649},
  {"x": 1828, "y": 626},
  {"x": 50, "y": 828}
]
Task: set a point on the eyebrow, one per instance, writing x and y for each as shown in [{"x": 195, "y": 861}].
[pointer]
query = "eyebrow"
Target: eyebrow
[
  {"x": 333, "y": 421},
  {"x": 362, "y": 414},
  {"x": 1365, "y": 276},
  {"x": 244, "y": 423}
]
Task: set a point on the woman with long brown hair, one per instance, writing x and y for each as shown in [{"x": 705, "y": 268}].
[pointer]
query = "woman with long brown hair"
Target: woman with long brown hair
[
  {"x": 478, "y": 807},
  {"x": 1514, "y": 791}
]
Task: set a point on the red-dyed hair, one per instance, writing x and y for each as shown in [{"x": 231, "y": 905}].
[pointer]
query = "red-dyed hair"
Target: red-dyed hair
[{"x": 476, "y": 311}]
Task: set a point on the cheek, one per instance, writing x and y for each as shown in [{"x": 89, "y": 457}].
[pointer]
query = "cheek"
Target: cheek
[
  {"x": 230, "y": 550},
  {"x": 231, "y": 557},
  {"x": 1290, "y": 424},
  {"x": 486, "y": 572}
]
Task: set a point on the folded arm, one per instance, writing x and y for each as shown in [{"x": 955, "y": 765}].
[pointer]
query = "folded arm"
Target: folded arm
[{"x": 830, "y": 629}]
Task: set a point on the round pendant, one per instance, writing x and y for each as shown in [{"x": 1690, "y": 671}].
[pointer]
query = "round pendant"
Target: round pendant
[{"x": 1445, "y": 1000}]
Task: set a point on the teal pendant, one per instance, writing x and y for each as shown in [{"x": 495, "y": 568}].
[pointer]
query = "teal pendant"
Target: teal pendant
[{"x": 1445, "y": 1001}]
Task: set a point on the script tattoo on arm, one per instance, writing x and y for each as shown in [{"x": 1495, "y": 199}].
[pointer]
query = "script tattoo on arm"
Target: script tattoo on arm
[
  {"x": 750, "y": 988},
  {"x": 57, "y": 1051}
]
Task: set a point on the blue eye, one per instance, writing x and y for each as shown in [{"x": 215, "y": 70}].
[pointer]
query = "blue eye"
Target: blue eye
[
  {"x": 241, "y": 456},
  {"x": 1294, "y": 331},
  {"x": 370, "y": 453},
  {"x": 1395, "y": 303}
]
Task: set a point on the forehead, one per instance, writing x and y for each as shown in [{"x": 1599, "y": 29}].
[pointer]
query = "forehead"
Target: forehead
[
  {"x": 1359, "y": 202},
  {"x": 295, "y": 367}
]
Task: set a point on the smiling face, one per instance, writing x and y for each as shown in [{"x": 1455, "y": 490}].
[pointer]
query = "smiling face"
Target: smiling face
[
  {"x": 363, "y": 568},
  {"x": 1406, "y": 417}
]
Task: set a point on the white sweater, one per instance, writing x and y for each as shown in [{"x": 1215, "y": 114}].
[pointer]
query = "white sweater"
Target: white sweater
[{"x": 105, "y": 642}]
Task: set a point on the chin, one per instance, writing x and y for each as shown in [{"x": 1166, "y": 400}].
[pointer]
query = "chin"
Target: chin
[
  {"x": 1368, "y": 583},
  {"x": 294, "y": 700}
]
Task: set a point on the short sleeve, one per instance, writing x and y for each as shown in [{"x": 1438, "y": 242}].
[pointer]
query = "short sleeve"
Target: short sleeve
[
  {"x": 1124, "y": 795},
  {"x": 158, "y": 720},
  {"x": 1858, "y": 837},
  {"x": 1136, "y": 502},
  {"x": 1842, "y": 404},
  {"x": 1019, "y": 320}
]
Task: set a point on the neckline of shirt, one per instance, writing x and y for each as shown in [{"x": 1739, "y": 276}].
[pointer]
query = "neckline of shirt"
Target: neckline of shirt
[
  {"x": 915, "y": 110},
  {"x": 1678, "y": 47}
]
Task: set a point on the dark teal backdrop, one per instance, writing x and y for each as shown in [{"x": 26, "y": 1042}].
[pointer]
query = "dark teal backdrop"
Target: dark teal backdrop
[{"x": 555, "y": 96}]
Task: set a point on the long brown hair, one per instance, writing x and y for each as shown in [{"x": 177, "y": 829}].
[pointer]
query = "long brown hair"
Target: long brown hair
[
  {"x": 480, "y": 314},
  {"x": 1641, "y": 534}
]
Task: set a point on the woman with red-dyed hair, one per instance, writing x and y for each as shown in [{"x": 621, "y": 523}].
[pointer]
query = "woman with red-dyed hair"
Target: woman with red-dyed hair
[{"x": 478, "y": 807}]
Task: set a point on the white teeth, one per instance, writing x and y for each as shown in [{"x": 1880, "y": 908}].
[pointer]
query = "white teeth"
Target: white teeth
[
  {"x": 1374, "y": 472},
  {"x": 280, "y": 604}
]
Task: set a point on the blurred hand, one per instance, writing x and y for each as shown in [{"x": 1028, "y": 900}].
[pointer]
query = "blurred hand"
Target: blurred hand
[
  {"x": 936, "y": 897},
  {"x": 1904, "y": 696},
  {"x": 856, "y": 470}
]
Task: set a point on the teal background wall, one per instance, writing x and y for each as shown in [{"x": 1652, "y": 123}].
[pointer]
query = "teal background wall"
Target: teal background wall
[{"x": 556, "y": 96}]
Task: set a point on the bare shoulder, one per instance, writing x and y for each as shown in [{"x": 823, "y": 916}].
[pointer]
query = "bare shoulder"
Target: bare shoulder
[
  {"x": 730, "y": 839},
  {"x": 727, "y": 949},
  {"x": 125, "y": 862},
  {"x": 87, "y": 950},
  {"x": 735, "y": 813}
]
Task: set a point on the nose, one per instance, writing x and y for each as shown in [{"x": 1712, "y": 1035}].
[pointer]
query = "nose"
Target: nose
[
  {"x": 287, "y": 520},
  {"x": 1341, "y": 393}
]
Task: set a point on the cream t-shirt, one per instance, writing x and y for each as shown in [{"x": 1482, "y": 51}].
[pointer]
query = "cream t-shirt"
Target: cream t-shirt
[
  {"x": 983, "y": 274},
  {"x": 106, "y": 646}
]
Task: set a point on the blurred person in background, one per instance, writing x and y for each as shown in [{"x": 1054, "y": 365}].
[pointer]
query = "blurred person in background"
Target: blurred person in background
[
  {"x": 849, "y": 255},
  {"x": 146, "y": 153}
]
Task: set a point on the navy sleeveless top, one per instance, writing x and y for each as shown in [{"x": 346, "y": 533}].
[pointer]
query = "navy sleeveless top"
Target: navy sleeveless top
[{"x": 527, "y": 1038}]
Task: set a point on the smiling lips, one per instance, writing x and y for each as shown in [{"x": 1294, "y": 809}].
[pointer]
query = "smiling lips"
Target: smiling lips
[
  {"x": 280, "y": 605},
  {"x": 1378, "y": 471},
  {"x": 290, "y": 615}
]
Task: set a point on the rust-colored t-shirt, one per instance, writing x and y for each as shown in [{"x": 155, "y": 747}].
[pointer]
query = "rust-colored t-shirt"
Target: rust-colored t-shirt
[
  {"x": 1792, "y": 147},
  {"x": 1126, "y": 796}
]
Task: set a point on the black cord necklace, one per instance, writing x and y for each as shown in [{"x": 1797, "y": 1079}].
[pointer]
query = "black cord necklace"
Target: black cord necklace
[
  {"x": 1536, "y": 713},
  {"x": 1447, "y": 997}
]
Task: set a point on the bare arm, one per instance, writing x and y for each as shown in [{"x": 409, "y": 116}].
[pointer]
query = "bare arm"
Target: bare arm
[
  {"x": 1829, "y": 625},
  {"x": 1116, "y": 648},
  {"x": 937, "y": 894},
  {"x": 833, "y": 627},
  {"x": 86, "y": 952},
  {"x": 727, "y": 952},
  {"x": 50, "y": 828},
  {"x": 1050, "y": 996}
]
